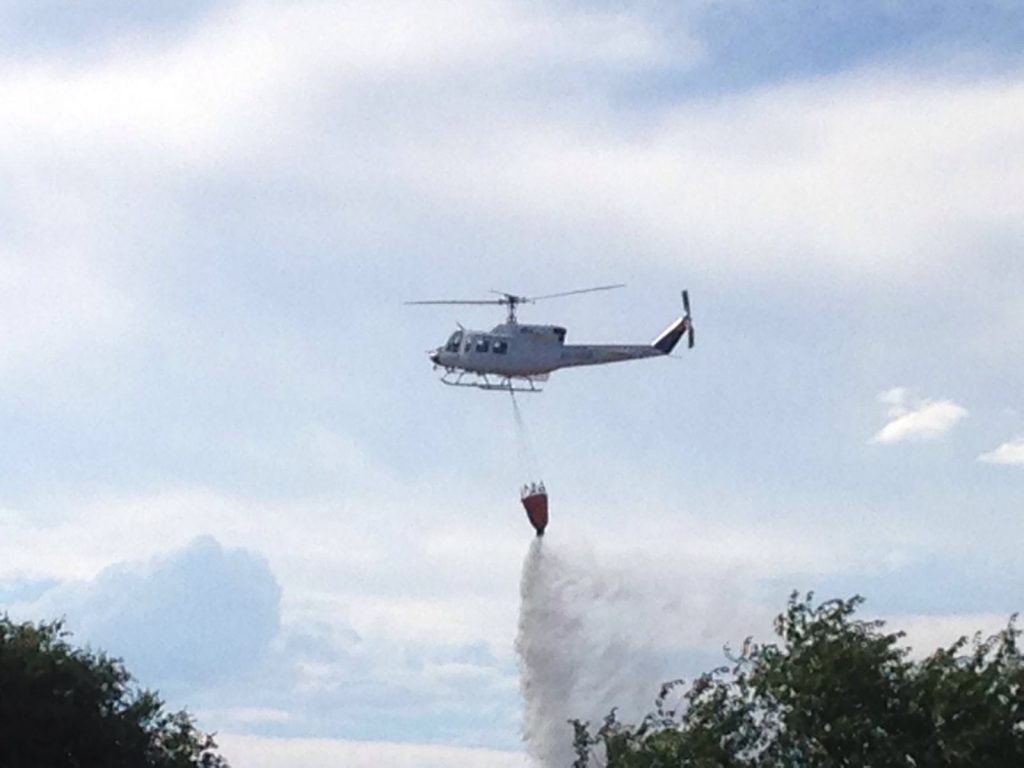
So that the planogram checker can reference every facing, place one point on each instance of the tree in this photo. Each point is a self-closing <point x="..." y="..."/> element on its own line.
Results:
<point x="834" y="691"/>
<point x="72" y="708"/>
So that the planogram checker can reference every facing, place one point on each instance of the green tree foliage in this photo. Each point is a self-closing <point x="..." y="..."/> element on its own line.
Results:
<point x="833" y="691"/>
<point x="71" y="708"/>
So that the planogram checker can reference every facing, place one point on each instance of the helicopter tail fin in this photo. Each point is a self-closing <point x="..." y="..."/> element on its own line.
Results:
<point x="668" y="338"/>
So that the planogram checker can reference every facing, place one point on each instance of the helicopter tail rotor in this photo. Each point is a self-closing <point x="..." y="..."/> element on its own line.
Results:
<point x="688" y="320"/>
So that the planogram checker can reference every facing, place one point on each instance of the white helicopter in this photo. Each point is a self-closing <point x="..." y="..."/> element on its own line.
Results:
<point x="514" y="358"/>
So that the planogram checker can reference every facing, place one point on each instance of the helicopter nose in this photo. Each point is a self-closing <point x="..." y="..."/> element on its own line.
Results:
<point x="435" y="358"/>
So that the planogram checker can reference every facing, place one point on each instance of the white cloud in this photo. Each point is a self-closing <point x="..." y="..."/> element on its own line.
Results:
<point x="516" y="120"/>
<point x="205" y="624"/>
<point x="260" y="752"/>
<point x="926" y="633"/>
<point x="791" y="163"/>
<point x="895" y="397"/>
<point x="411" y="616"/>
<point x="104" y="152"/>
<point x="195" y="616"/>
<point x="911" y="419"/>
<point x="245" y="716"/>
<point x="1007" y="453"/>
<point x="441" y="105"/>
<point x="75" y="539"/>
<point x="457" y="564"/>
<point x="231" y="86"/>
<point x="61" y="306"/>
<point x="500" y="117"/>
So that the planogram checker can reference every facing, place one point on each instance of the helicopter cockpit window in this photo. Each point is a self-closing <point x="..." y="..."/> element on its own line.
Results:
<point x="482" y="344"/>
<point x="468" y="346"/>
<point x="453" y="342"/>
<point x="500" y="347"/>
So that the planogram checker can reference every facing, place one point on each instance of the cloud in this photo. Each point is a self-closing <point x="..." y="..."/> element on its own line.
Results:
<point x="511" y="116"/>
<point x="24" y="590"/>
<point x="790" y="162"/>
<point x="217" y="217"/>
<point x="428" y="644"/>
<point x="1011" y="452"/>
<point x="246" y="716"/>
<point x="199" y="95"/>
<point x="928" y="632"/>
<point x="28" y="25"/>
<point x="911" y="419"/>
<point x="106" y="152"/>
<point x="335" y="634"/>
<point x="367" y="649"/>
<point x="195" y="617"/>
<point x="367" y="138"/>
<point x="259" y="752"/>
<point x="59" y="304"/>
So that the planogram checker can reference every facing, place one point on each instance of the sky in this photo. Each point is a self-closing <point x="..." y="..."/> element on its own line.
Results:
<point x="227" y="459"/>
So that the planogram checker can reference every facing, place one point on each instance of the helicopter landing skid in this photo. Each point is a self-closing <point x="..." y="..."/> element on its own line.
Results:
<point x="497" y="383"/>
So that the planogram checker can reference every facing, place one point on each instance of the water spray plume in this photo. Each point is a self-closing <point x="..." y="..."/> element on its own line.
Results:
<point x="581" y="650"/>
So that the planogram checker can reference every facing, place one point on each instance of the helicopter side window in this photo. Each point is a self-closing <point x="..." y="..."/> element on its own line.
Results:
<point x="499" y="347"/>
<point x="482" y="345"/>
<point x="453" y="342"/>
<point x="468" y="345"/>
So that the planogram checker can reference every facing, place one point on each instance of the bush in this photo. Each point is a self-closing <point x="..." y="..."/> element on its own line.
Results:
<point x="72" y="708"/>
<point x="833" y="691"/>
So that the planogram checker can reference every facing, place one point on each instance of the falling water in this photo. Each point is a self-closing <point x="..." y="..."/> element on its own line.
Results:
<point x="582" y="650"/>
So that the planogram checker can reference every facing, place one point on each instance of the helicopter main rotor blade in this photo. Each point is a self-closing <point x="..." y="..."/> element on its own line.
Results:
<point x="458" y="301"/>
<point x="573" y="293"/>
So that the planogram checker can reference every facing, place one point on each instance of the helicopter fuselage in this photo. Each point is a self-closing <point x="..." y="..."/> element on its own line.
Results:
<point x="525" y="351"/>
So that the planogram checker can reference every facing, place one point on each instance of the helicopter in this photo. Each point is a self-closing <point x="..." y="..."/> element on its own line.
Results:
<point x="514" y="357"/>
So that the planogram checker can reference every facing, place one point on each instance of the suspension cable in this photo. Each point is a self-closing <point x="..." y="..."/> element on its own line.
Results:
<point x="524" y="447"/>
